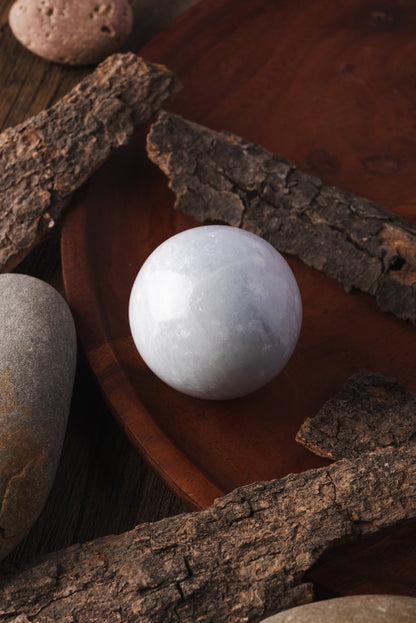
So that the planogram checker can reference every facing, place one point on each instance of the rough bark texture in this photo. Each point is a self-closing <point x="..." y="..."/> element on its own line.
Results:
<point x="239" y="560"/>
<point x="371" y="411"/>
<point x="219" y="176"/>
<point x="46" y="158"/>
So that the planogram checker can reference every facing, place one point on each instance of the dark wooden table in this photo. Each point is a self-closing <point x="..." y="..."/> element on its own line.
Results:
<point x="102" y="486"/>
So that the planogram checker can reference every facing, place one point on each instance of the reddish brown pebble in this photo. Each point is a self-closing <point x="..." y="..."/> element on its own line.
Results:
<point x="74" y="32"/>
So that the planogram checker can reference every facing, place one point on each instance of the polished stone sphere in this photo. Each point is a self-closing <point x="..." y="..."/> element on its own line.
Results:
<point x="215" y="312"/>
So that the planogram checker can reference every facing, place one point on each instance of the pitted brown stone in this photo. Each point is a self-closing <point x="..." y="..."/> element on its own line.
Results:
<point x="74" y="32"/>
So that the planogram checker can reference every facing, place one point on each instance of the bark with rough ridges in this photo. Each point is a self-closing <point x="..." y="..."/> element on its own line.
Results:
<point x="218" y="176"/>
<point x="47" y="157"/>
<point x="239" y="560"/>
<point x="370" y="411"/>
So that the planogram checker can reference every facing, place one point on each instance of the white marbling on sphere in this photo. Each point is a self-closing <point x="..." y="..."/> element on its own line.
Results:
<point x="215" y="312"/>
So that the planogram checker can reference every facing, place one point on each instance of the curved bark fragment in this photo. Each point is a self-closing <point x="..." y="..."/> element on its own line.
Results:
<point x="241" y="559"/>
<point x="47" y="157"/>
<point x="370" y="411"/>
<point x="220" y="176"/>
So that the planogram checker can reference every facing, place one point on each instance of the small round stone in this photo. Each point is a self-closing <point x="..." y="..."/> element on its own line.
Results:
<point x="353" y="609"/>
<point x="37" y="366"/>
<point x="215" y="312"/>
<point x="74" y="32"/>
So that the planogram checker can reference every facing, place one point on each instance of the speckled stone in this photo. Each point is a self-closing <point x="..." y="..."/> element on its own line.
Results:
<point x="75" y="32"/>
<point x="37" y="366"/>
<point x="353" y="609"/>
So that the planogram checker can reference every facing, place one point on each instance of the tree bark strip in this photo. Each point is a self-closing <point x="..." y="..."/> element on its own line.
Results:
<point x="370" y="411"/>
<point x="46" y="158"/>
<point x="239" y="560"/>
<point x="221" y="177"/>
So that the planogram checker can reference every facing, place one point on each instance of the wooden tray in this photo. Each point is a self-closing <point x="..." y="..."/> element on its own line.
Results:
<point x="332" y="87"/>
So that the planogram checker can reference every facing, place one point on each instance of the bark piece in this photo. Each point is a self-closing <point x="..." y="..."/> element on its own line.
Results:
<point x="47" y="157"/>
<point x="241" y="559"/>
<point x="220" y="176"/>
<point x="371" y="411"/>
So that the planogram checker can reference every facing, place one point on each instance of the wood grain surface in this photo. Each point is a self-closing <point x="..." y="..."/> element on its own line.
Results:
<point x="299" y="83"/>
<point x="102" y="486"/>
<point x="340" y="107"/>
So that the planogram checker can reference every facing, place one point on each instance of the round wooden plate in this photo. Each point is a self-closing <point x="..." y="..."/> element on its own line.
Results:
<point x="331" y="86"/>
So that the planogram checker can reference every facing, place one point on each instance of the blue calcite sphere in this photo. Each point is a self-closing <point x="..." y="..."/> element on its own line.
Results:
<point x="215" y="312"/>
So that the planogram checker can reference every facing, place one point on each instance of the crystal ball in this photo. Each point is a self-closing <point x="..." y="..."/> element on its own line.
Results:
<point x="215" y="312"/>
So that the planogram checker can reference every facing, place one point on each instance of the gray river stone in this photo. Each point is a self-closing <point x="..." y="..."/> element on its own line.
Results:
<point x="37" y="366"/>
<point x="352" y="609"/>
<point x="74" y="32"/>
